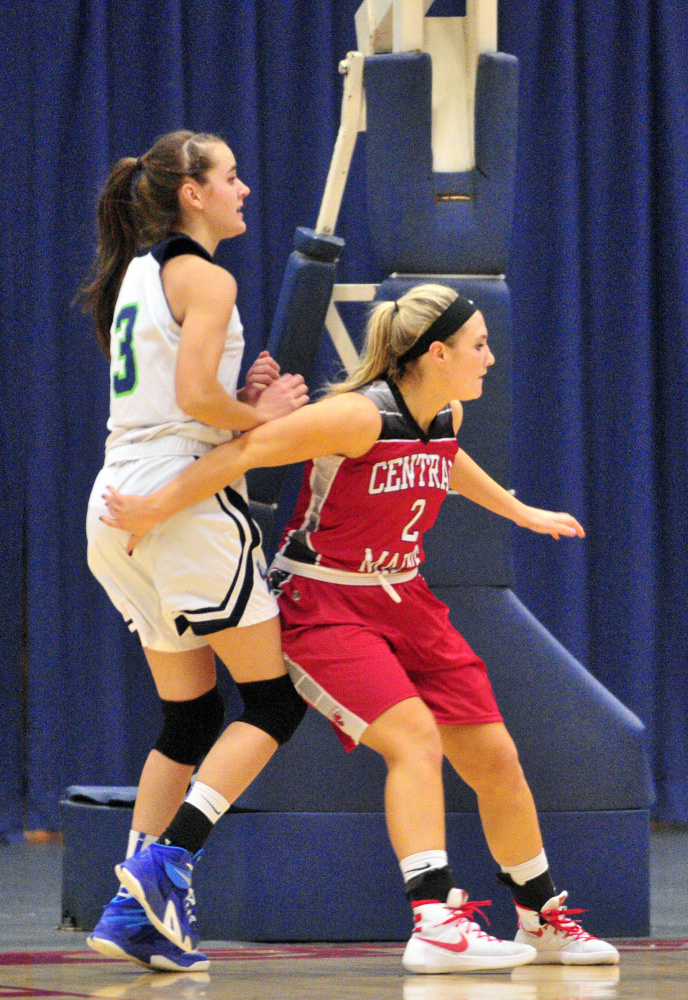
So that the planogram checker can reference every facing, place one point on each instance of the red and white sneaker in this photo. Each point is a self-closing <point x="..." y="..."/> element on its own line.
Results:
<point x="445" y="939"/>
<point x="561" y="940"/>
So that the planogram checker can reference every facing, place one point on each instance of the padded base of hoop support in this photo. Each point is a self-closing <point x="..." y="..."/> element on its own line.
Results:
<point x="333" y="876"/>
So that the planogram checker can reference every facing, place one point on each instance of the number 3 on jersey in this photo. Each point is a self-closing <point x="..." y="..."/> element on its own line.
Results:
<point x="412" y="536"/>
<point x="125" y="379"/>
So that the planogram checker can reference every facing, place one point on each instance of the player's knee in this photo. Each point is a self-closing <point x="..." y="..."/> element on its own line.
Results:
<point x="191" y="727"/>
<point x="500" y="766"/>
<point x="427" y="745"/>
<point x="273" y="706"/>
<point x="411" y="737"/>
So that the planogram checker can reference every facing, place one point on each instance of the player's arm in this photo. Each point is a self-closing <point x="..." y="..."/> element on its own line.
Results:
<point x="348" y="425"/>
<point x="468" y="479"/>
<point x="202" y="297"/>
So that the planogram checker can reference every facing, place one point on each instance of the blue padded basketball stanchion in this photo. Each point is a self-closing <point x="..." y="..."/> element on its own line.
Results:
<point x="297" y="326"/>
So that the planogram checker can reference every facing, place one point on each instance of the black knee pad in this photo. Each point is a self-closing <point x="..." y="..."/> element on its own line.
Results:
<point x="273" y="706"/>
<point x="190" y="727"/>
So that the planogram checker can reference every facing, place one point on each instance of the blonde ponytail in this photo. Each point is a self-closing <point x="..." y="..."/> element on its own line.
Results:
<point x="394" y="327"/>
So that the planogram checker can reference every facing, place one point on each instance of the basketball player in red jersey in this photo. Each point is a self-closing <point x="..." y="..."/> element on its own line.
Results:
<point x="367" y="643"/>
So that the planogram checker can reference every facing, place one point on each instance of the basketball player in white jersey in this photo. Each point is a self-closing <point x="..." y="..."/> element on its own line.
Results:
<point x="167" y="321"/>
<point x="366" y="641"/>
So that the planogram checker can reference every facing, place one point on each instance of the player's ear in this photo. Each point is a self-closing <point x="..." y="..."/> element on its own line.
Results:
<point x="437" y="351"/>
<point x="190" y="196"/>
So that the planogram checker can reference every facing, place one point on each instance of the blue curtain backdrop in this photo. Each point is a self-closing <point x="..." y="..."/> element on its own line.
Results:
<point x="599" y="279"/>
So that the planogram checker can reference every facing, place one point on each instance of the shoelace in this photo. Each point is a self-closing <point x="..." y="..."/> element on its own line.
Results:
<point x="467" y="912"/>
<point x="183" y="873"/>
<point x="189" y="905"/>
<point x="560" y="920"/>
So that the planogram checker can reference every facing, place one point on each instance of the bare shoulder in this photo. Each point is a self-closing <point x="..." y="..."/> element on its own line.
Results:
<point x="197" y="276"/>
<point x="457" y="414"/>
<point x="192" y="282"/>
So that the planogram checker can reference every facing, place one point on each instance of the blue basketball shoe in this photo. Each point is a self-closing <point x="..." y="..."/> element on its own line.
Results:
<point x="124" y="931"/>
<point x="160" y="878"/>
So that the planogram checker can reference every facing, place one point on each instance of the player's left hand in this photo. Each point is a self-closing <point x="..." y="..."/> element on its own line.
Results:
<point x="548" y="522"/>
<point x="262" y="373"/>
<point x="129" y="512"/>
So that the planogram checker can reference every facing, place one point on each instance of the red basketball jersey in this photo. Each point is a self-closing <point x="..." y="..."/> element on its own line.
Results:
<point x="369" y="514"/>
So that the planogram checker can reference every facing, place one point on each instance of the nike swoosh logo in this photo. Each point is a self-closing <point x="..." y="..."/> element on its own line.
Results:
<point x="208" y="803"/>
<point x="456" y="947"/>
<point x="423" y="868"/>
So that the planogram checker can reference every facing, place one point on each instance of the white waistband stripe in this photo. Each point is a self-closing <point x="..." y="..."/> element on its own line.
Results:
<point x="329" y="575"/>
<point x="166" y="444"/>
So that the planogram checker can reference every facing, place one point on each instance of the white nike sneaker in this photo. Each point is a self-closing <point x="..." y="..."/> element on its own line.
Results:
<point x="561" y="940"/>
<point x="445" y="939"/>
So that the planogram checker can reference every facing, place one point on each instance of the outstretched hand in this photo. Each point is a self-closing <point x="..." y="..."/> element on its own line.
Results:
<point x="548" y="522"/>
<point x="128" y="512"/>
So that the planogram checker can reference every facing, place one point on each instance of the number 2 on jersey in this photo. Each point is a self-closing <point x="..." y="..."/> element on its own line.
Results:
<point x="125" y="380"/>
<point x="412" y="536"/>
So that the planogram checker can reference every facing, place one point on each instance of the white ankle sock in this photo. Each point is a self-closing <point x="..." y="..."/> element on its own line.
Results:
<point x="139" y="841"/>
<point x="528" y="869"/>
<point x="207" y="800"/>
<point x="424" y="861"/>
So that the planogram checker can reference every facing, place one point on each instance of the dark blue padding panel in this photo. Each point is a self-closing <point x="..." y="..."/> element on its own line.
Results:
<point x="468" y="547"/>
<point x="580" y="747"/>
<point x="333" y="877"/>
<point x="414" y="231"/>
<point x="297" y="326"/>
<point x="472" y="545"/>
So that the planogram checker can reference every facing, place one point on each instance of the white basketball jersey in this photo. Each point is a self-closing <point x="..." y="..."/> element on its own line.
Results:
<point x="144" y="339"/>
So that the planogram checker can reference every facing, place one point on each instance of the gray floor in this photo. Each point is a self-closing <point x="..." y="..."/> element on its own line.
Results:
<point x="30" y="878"/>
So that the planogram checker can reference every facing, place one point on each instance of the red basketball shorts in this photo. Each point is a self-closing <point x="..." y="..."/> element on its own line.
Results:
<point x="353" y="652"/>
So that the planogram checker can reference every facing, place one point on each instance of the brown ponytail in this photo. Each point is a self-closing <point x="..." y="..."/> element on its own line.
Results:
<point x="138" y="207"/>
<point x="394" y="327"/>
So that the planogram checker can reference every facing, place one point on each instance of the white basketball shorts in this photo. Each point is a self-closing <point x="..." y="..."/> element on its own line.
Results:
<point x="199" y="572"/>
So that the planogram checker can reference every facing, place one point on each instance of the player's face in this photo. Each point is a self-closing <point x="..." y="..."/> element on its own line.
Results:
<point x="224" y="194"/>
<point x="470" y="358"/>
